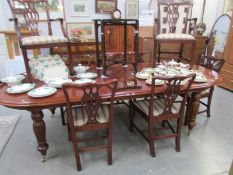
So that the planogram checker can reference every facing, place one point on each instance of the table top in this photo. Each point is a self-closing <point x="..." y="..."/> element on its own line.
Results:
<point x="23" y="101"/>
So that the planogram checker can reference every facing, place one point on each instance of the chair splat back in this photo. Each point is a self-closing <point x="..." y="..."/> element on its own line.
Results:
<point x="173" y="17"/>
<point x="91" y="101"/>
<point x="91" y="98"/>
<point x="28" y="11"/>
<point x="211" y="62"/>
<point x="173" y="89"/>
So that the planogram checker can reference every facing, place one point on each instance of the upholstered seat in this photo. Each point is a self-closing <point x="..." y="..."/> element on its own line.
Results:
<point x="175" y="36"/>
<point x="32" y="40"/>
<point x="158" y="106"/>
<point x="81" y="118"/>
<point x="206" y="91"/>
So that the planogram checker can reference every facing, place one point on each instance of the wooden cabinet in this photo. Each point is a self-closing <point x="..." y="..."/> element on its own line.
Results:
<point x="114" y="38"/>
<point x="227" y="69"/>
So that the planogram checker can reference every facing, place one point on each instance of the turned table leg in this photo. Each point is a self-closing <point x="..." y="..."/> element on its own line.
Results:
<point x="40" y="133"/>
<point x="193" y="110"/>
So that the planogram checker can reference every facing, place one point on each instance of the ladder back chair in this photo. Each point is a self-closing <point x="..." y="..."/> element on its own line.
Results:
<point x="25" y="12"/>
<point x="215" y="65"/>
<point x="174" y="26"/>
<point x="92" y="114"/>
<point x="162" y="109"/>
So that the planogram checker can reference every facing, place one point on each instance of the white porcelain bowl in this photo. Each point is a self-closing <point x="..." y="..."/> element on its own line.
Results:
<point x="81" y="69"/>
<point x="13" y="80"/>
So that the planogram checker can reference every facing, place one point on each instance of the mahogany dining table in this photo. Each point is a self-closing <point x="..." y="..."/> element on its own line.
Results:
<point x="36" y="105"/>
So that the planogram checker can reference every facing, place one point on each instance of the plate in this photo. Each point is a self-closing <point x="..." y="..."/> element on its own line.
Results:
<point x="57" y="83"/>
<point x="86" y="75"/>
<point x="83" y="81"/>
<point x="200" y="79"/>
<point x="17" y="89"/>
<point x="43" y="91"/>
<point x="148" y="70"/>
<point x="157" y="82"/>
<point x="142" y="75"/>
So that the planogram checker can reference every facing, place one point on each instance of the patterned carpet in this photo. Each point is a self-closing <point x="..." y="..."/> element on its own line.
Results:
<point x="7" y="126"/>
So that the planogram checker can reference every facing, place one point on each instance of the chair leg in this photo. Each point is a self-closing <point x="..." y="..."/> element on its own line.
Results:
<point x="109" y="146"/>
<point x="178" y="132"/>
<point x="75" y="147"/>
<point x="62" y="116"/>
<point x="151" y="140"/>
<point x="186" y="119"/>
<point x="131" y="117"/>
<point x="68" y="131"/>
<point x="163" y="123"/>
<point x="52" y="110"/>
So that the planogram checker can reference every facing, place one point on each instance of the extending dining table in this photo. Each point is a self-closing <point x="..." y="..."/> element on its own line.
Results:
<point x="36" y="105"/>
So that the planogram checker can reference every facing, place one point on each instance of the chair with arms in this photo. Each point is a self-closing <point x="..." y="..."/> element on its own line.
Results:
<point x="91" y="115"/>
<point x="215" y="65"/>
<point x="174" y="26"/>
<point x="28" y="13"/>
<point x="162" y="109"/>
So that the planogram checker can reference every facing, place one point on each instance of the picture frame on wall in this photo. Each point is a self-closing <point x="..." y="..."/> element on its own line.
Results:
<point x="87" y="29"/>
<point x="56" y="9"/>
<point x="131" y="9"/>
<point x="105" y="6"/>
<point x="79" y="7"/>
<point x="228" y="7"/>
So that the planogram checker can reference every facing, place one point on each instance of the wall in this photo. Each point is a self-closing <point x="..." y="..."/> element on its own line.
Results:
<point x="212" y="11"/>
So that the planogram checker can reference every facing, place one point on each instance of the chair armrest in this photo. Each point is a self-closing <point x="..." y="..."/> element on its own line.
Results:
<point x="61" y="20"/>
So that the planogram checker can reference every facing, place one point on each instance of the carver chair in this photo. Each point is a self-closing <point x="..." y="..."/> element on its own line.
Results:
<point x="215" y="65"/>
<point x="26" y="11"/>
<point x="162" y="108"/>
<point x="92" y="114"/>
<point x="174" y="27"/>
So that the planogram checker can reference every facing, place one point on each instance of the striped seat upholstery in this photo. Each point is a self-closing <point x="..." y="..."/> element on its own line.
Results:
<point x="175" y="36"/>
<point x="206" y="91"/>
<point x="31" y="40"/>
<point x="81" y="118"/>
<point x="158" y="106"/>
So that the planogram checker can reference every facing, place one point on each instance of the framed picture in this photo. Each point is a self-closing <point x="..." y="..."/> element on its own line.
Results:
<point x="131" y="9"/>
<point x="79" y="7"/>
<point x="86" y="29"/>
<point x="105" y="6"/>
<point x="56" y="9"/>
<point x="228" y="7"/>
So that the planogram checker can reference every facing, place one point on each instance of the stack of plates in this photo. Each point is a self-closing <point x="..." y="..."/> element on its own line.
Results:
<point x="83" y="81"/>
<point x="86" y="75"/>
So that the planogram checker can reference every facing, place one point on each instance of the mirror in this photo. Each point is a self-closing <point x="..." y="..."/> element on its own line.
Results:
<point x="218" y="37"/>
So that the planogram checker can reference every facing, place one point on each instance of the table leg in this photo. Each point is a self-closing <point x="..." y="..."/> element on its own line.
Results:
<point x="193" y="110"/>
<point x="40" y="133"/>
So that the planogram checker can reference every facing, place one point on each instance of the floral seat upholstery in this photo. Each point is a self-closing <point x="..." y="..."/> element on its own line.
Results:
<point x="32" y="40"/>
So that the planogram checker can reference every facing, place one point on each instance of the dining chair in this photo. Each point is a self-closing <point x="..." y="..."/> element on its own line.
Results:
<point x="174" y="26"/>
<point x="162" y="108"/>
<point x="215" y="65"/>
<point x="93" y="113"/>
<point x="25" y="15"/>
